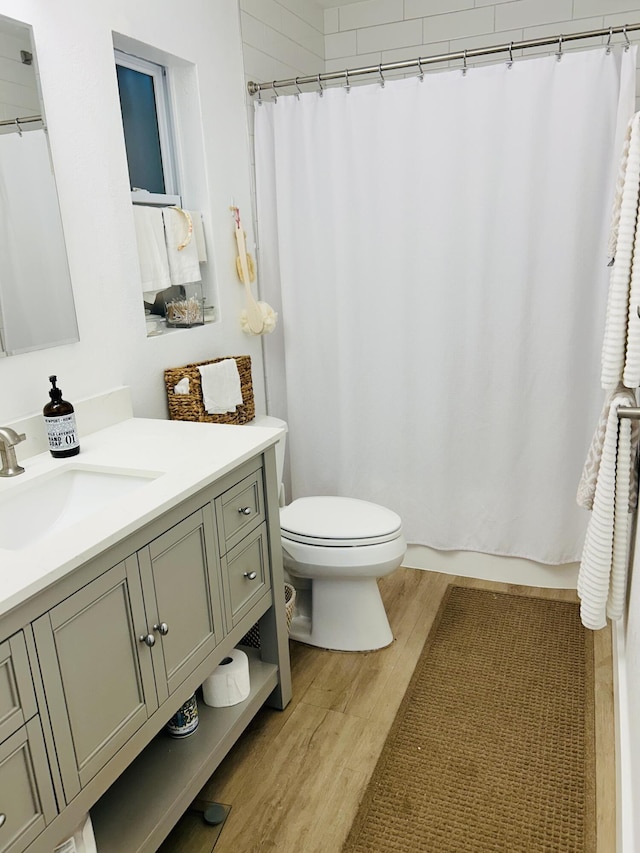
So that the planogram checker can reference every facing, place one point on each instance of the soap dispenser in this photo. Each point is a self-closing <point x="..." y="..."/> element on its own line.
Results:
<point x="60" y="424"/>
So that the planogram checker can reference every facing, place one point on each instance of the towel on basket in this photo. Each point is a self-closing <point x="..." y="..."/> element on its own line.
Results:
<point x="221" y="389"/>
<point x="602" y="576"/>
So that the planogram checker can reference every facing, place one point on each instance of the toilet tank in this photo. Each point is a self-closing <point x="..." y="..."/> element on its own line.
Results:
<point x="281" y="444"/>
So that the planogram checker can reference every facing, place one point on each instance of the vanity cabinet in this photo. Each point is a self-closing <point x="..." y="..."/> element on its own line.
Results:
<point x="122" y="646"/>
<point x="27" y="801"/>
<point x="119" y="647"/>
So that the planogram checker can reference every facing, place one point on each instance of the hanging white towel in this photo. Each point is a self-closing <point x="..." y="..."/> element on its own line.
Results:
<point x="221" y="390"/>
<point x="621" y="345"/>
<point x="603" y="568"/>
<point x="181" y="248"/>
<point x="587" y="486"/>
<point x="152" y="250"/>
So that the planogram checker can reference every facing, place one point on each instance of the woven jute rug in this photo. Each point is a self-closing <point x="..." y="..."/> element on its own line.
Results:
<point x="492" y="748"/>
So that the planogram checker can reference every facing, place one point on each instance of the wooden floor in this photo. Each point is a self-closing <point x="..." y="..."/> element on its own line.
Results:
<point x="295" y="778"/>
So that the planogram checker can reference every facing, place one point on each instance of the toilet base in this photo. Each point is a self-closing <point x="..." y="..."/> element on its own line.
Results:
<point x="342" y="615"/>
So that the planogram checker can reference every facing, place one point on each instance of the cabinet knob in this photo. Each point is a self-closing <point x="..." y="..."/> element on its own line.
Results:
<point x="244" y="510"/>
<point x="250" y="576"/>
<point x="162" y="628"/>
<point x="3" y="817"/>
<point x="149" y="639"/>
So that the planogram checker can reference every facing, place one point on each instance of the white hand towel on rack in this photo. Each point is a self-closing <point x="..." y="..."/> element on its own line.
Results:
<point x="603" y="568"/>
<point x="181" y="248"/>
<point x="152" y="250"/>
<point x="221" y="389"/>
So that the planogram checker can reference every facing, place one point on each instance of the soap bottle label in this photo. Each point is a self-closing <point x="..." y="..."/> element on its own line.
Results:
<point x="61" y="432"/>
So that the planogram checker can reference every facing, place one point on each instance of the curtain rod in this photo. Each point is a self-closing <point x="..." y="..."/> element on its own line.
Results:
<point x="257" y="88"/>
<point x="16" y="123"/>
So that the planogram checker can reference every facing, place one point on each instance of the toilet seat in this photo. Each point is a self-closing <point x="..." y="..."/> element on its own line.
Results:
<point x="337" y="522"/>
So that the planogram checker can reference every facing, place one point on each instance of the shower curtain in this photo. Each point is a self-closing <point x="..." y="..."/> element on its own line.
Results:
<point x="436" y="250"/>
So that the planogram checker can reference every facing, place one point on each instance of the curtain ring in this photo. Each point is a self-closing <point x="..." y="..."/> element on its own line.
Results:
<point x="18" y="128"/>
<point x="347" y="85"/>
<point x="259" y="95"/>
<point x="559" y="53"/>
<point x="320" y="89"/>
<point x="626" y="38"/>
<point x="609" y="40"/>
<point x="420" y="70"/>
<point x="299" y="92"/>
<point x="510" y="60"/>
<point x="381" y="76"/>
<point x="275" y="92"/>
<point x="464" y="63"/>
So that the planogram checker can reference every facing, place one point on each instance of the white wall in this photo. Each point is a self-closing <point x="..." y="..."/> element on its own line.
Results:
<point x="74" y="45"/>
<point x="374" y="31"/>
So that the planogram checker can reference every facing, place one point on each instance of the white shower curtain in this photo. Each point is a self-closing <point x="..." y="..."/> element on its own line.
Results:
<point x="437" y="253"/>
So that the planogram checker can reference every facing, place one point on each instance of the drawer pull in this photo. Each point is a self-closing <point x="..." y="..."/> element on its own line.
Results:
<point x="250" y="576"/>
<point x="149" y="639"/>
<point x="162" y="628"/>
<point x="3" y="817"/>
<point x="244" y="510"/>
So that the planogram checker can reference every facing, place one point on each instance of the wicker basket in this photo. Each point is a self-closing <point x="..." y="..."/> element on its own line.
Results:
<point x="252" y="637"/>
<point x="190" y="407"/>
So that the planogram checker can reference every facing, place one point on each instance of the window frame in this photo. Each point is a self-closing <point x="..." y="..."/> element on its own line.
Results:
<point x="159" y="74"/>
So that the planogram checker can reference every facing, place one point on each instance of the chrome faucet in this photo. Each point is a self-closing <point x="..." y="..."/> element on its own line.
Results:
<point x="8" y="440"/>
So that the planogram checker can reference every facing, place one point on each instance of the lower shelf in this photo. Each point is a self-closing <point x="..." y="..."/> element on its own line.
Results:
<point x="143" y="805"/>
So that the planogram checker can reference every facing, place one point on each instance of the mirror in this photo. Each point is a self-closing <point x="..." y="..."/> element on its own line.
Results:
<point x="36" y="298"/>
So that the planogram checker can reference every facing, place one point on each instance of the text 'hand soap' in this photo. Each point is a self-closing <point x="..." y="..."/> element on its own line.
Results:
<point x="60" y="424"/>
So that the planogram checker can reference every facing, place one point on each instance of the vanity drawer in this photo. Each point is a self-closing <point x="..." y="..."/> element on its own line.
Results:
<point x="239" y="510"/>
<point x="245" y="575"/>
<point x="17" y="699"/>
<point x="27" y="803"/>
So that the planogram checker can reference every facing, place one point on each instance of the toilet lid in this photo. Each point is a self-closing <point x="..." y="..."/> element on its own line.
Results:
<point x="333" y="521"/>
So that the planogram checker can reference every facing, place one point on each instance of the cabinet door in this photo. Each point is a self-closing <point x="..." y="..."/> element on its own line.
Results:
<point x="179" y="573"/>
<point x="27" y="804"/>
<point x="245" y="575"/>
<point x="97" y="672"/>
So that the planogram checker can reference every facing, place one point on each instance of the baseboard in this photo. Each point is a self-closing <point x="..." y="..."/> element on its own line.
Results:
<point x="625" y="810"/>
<point x="471" y="564"/>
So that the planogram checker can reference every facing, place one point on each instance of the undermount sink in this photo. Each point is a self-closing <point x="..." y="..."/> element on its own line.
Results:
<point x="51" y="502"/>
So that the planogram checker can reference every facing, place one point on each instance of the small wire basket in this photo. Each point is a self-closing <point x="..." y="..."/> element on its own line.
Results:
<point x="252" y="637"/>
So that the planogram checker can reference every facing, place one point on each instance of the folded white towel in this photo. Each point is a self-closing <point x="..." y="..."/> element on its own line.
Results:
<point x="152" y="250"/>
<point x="181" y="249"/>
<point x="603" y="568"/>
<point x="221" y="390"/>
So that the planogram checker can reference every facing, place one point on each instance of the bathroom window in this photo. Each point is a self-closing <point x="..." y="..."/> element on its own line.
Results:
<point x="148" y="132"/>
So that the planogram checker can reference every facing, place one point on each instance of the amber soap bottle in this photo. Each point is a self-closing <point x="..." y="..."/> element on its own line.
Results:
<point x="60" y="424"/>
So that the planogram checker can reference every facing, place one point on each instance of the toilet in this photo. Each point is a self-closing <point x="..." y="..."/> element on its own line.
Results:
<point x="334" y="550"/>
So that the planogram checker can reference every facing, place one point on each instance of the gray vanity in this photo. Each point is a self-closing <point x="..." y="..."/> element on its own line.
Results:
<point x="110" y="622"/>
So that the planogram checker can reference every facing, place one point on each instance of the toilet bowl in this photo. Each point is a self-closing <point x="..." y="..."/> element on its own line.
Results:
<point x="334" y="550"/>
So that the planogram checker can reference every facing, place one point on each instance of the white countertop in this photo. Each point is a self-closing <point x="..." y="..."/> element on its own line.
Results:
<point x="181" y="456"/>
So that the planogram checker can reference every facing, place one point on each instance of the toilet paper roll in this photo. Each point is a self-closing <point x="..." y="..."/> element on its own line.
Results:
<point x="229" y="682"/>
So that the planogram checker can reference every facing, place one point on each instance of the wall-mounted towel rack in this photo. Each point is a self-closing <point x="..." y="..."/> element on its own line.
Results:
<point x="630" y="412"/>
